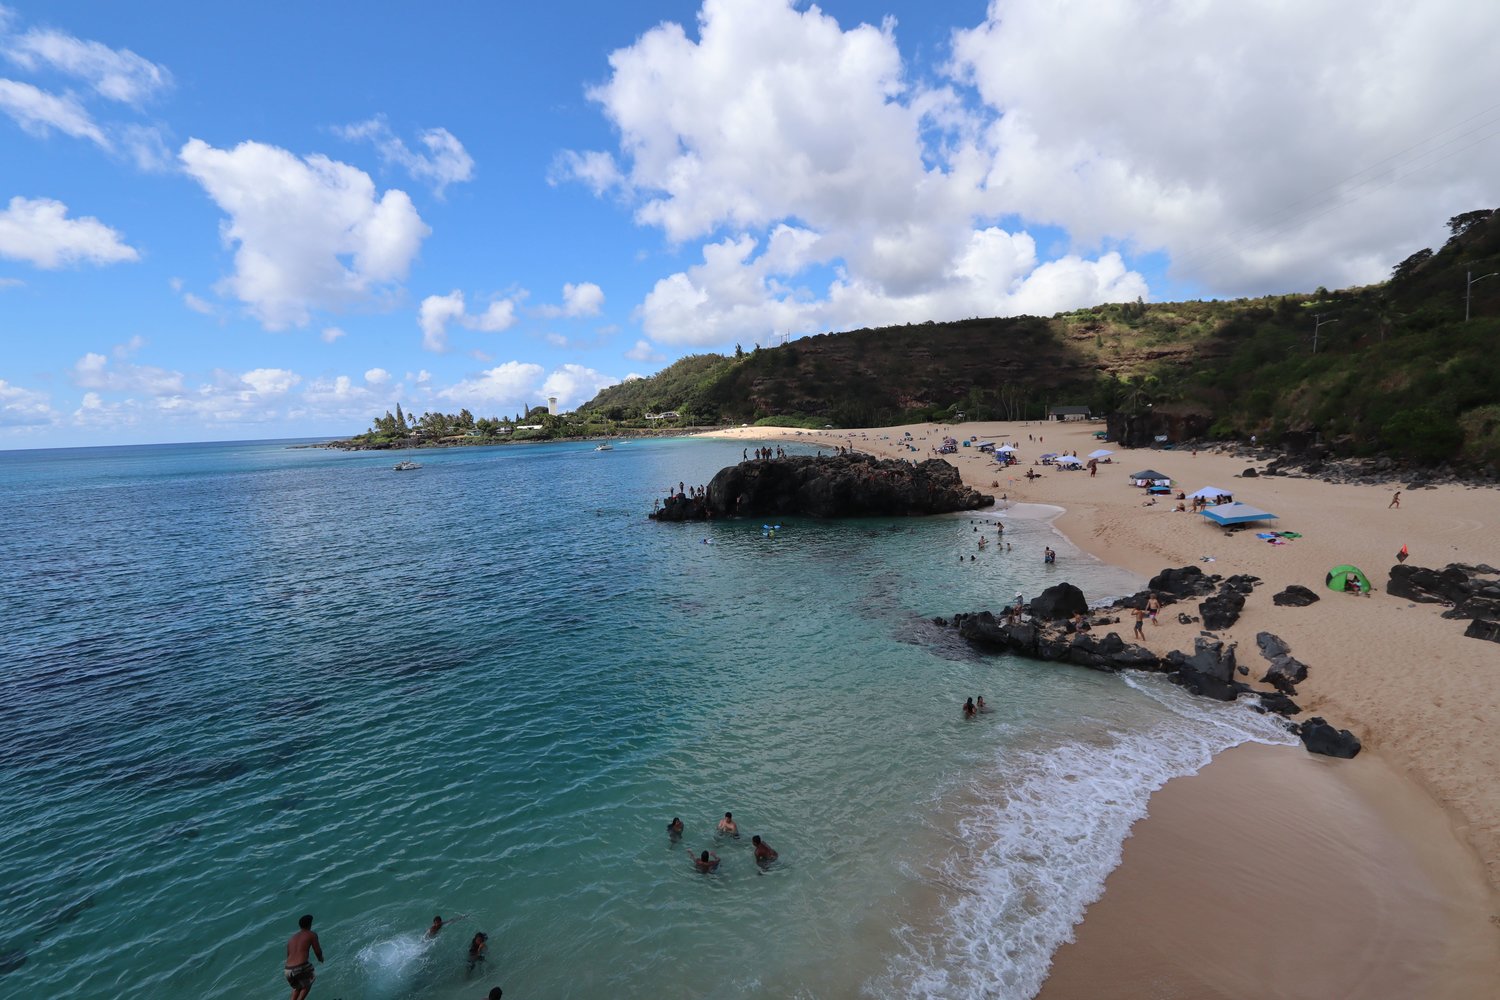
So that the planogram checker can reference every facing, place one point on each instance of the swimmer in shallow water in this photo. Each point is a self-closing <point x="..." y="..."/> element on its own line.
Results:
<point x="476" y="949"/>
<point x="674" y="828"/>
<point x="729" y="826"/>
<point x="764" y="852"/>
<point x="707" y="862"/>
<point x="438" y="924"/>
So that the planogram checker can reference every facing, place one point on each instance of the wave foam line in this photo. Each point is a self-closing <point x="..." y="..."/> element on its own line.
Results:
<point x="1033" y="858"/>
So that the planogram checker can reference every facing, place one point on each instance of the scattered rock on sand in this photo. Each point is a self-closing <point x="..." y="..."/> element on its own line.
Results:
<point x="1209" y="671"/>
<point x="1319" y="737"/>
<point x="1295" y="596"/>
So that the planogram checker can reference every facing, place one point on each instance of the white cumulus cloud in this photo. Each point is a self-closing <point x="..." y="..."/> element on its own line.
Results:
<point x="1159" y="124"/>
<point x="505" y="386"/>
<point x="583" y="299"/>
<point x="643" y="351"/>
<point x="377" y="376"/>
<point x="445" y="162"/>
<point x="832" y="182"/>
<point x="39" y="231"/>
<point x="309" y="232"/>
<point x="271" y="381"/>
<point x="438" y="311"/>
<point x="95" y="371"/>
<point x="20" y="407"/>
<point x="574" y="384"/>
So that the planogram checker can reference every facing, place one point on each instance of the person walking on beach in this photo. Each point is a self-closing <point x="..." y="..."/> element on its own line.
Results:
<point x="729" y="826"/>
<point x="1140" y="619"/>
<point x="299" y="970"/>
<point x="1153" y="605"/>
<point x="764" y="852"/>
<point x="1395" y="501"/>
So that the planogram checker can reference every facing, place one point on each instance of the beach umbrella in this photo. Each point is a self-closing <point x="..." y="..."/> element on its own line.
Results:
<point x="1209" y="492"/>
<point x="1050" y="454"/>
<point x="1236" y="513"/>
<point x="1100" y="453"/>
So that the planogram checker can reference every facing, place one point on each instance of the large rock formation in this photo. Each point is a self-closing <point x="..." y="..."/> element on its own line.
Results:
<point x="833" y="486"/>
<point x="1209" y="671"/>
<point x="1060" y="601"/>
<point x="1473" y="592"/>
<point x="1286" y="671"/>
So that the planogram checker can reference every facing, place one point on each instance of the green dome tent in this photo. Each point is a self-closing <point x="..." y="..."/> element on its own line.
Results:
<point x="1348" y="578"/>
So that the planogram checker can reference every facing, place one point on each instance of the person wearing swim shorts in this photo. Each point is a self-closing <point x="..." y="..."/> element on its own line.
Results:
<point x="299" y="970"/>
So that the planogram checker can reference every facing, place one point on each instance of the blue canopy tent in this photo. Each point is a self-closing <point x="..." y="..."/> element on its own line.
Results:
<point x="1236" y="513"/>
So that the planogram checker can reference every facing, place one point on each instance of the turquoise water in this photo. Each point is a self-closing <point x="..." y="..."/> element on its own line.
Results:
<point x="244" y="682"/>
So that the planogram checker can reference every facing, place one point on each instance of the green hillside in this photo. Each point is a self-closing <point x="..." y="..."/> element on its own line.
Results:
<point x="1396" y="368"/>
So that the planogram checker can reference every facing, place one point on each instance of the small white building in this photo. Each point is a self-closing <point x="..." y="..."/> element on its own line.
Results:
<point x="1068" y="413"/>
<point x="552" y="405"/>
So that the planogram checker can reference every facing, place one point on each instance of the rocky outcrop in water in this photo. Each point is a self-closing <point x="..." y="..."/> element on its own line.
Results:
<point x="851" y="485"/>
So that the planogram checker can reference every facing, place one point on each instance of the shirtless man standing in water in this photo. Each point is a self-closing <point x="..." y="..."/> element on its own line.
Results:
<point x="299" y="970"/>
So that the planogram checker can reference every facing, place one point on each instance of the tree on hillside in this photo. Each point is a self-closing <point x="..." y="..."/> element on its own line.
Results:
<point x="1460" y="224"/>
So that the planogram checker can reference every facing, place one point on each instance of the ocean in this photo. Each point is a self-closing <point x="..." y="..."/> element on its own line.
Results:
<point x="245" y="681"/>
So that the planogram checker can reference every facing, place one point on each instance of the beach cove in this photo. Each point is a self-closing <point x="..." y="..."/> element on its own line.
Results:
<point x="1420" y="695"/>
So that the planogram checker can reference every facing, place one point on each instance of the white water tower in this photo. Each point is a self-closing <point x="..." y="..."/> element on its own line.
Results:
<point x="552" y="405"/>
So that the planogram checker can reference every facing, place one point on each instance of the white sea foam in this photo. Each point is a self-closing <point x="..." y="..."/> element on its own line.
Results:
<point x="1035" y="854"/>
<point x="389" y="966"/>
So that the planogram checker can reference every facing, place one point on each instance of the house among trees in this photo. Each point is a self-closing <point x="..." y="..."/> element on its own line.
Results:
<point x="663" y="415"/>
<point x="1068" y="413"/>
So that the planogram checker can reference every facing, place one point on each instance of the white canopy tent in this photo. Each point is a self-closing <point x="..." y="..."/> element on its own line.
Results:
<point x="1100" y="453"/>
<point x="1209" y="492"/>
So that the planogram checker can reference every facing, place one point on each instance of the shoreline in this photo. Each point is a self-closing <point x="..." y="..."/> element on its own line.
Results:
<point x="1438" y="763"/>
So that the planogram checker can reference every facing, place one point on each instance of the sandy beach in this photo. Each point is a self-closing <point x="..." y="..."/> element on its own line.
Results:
<point x="1274" y="873"/>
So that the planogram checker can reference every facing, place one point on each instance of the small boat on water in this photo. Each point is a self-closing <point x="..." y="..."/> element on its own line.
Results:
<point x="405" y="465"/>
<point x="604" y="446"/>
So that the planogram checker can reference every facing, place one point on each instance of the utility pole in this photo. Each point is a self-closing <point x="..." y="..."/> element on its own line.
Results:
<point x="1319" y="323"/>
<point x="1470" y="282"/>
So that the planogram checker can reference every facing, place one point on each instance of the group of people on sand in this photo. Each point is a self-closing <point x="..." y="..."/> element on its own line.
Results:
<point x="975" y="706"/>
<point x="300" y="974"/>
<point x="707" y="862"/>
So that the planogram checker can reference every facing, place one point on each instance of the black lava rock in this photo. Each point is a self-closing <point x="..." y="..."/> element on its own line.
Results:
<point x="1295" y="596"/>
<point x="1319" y="737"/>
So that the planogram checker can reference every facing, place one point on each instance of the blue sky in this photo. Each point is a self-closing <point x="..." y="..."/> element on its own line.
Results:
<point x="235" y="221"/>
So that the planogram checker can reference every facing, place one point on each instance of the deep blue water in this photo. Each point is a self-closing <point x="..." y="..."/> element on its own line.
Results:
<point x="242" y="682"/>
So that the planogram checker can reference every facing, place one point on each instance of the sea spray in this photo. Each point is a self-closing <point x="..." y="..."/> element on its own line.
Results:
<point x="1046" y="828"/>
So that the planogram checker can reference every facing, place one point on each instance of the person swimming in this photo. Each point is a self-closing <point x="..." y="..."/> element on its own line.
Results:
<point x="729" y="826"/>
<point x="707" y="862"/>
<point x="969" y="710"/>
<point x="764" y="852"/>
<point x="674" y="828"/>
<point x="476" y="949"/>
